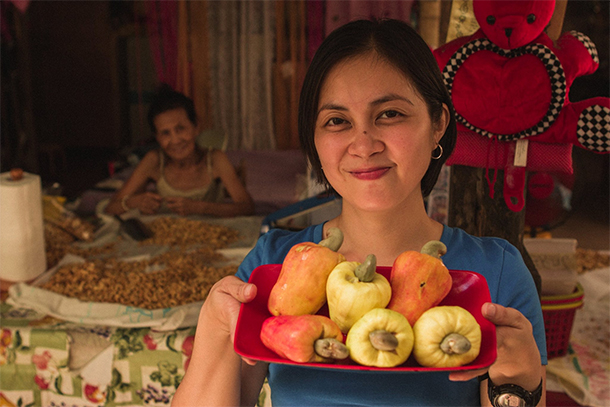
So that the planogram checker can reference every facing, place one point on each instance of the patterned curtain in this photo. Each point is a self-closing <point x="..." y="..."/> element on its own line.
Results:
<point x="241" y="52"/>
<point x="193" y="74"/>
<point x="220" y="53"/>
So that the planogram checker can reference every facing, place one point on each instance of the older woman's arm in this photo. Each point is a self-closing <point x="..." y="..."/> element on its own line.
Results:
<point x="133" y="195"/>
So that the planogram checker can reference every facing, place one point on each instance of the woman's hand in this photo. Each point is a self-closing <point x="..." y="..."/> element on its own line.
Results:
<point x="215" y="375"/>
<point x="181" y="206"/>
<point x="148" y="203"/>
<point x="221" y="308"/>
<point x="518" y="361"/>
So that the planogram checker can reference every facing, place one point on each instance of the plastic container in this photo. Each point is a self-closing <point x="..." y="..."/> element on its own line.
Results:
<point x="555" y="260"/>
<point x="559" y="312"/>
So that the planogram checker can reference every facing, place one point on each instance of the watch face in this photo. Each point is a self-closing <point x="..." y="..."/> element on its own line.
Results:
<point x="509" y="399"/>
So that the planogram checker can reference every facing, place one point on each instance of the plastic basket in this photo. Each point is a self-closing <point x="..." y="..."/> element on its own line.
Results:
<point x="559" y="312"/>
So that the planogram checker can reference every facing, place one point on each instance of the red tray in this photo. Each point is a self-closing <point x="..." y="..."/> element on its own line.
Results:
<point x="469" y="290"/>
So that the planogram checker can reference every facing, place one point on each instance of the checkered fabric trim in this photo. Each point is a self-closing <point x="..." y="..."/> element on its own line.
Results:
<point x="593" y="130"/>
<point x="589" y="45"/>
<point x="548" y="58"/>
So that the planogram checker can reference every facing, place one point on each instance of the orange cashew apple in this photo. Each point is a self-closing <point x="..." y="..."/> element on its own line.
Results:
<point x="419" y="280"/>
<point x="301" y="286"/>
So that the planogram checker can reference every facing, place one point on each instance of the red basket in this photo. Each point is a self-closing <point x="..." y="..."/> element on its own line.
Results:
<point x="558" y="313"/>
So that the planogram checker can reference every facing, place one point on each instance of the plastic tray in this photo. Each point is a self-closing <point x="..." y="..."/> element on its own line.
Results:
<point x="469" y="290"/>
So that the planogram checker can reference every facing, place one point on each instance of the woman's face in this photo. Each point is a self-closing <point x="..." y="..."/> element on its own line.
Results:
<point x="176" y="134"/>
<point x="373" y="134"/>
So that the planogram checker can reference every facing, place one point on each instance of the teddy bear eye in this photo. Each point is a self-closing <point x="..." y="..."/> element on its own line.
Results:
<point x="531" y="18"/>
<point x="491" y="20"/>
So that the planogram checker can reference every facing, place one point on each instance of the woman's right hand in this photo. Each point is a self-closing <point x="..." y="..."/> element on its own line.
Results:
<point x="224" y="300"/>
<point x="148" y="203"/>
<point x="215" y="371"/>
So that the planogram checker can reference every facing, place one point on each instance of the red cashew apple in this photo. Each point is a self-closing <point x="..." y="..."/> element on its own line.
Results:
<point x="304" y="338"/>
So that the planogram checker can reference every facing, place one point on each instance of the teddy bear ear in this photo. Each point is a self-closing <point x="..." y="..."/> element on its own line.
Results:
<point x="512" y="24"/>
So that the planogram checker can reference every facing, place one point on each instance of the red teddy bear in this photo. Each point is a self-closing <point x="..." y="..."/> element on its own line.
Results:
<point x="510" y="82"/>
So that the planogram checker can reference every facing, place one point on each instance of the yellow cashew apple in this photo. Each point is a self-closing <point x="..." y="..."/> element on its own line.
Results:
<point x="355" y="288"/>
<point x="381" y="338"/>
<point x="446" y="336"/>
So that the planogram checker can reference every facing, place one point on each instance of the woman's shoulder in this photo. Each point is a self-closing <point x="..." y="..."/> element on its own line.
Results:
<point x="458" y="239"/>
<point x="150" y="163"/>
<point x="485" y="255"/>
<point x="284" y="237"/>
<point x="216" y="154"/>
<point x="217" y="159"/>
<point x="152" y="158"/>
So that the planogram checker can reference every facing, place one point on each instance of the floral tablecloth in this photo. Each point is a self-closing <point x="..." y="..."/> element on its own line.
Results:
<point x="57" y="351"/>
<point x="47" y="362"/>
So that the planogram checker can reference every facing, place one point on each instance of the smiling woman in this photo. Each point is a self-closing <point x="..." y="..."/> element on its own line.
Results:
<point x="376" y="123"/>
<point x="189" y="180"/>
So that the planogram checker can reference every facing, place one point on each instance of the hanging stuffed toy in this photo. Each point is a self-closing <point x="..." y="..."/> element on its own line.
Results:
<point x="509" y="84"/>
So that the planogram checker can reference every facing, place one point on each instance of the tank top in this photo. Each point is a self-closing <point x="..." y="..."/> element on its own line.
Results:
<point x="213" y="192"/>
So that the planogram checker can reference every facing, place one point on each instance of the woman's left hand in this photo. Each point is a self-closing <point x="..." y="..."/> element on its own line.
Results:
<point x="181" y="206"/>
<point x="518" y="358"/>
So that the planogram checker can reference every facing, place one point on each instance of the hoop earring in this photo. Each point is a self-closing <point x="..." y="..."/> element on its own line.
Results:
<point x="440" y="153"/>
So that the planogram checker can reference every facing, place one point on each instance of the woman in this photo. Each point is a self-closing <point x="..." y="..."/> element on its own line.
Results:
<point x="189" y="179"/>
<point x="376" y="124"/>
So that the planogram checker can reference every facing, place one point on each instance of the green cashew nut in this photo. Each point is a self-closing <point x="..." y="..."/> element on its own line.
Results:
<point x="330" y="348"/>
<point x="455" y="344"/>
<point x="383" y="340"/>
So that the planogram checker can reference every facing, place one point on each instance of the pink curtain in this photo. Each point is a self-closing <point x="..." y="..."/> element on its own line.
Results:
<point x="161" y="19"/>
<point x="323" y="16"/>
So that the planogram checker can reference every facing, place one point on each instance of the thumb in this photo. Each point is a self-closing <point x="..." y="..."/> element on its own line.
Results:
<point x="244" y="292"/>
<point x="502" y="316"/>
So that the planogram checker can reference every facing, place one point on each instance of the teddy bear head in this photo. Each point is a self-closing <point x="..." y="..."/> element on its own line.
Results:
<point x="513" y="24"/>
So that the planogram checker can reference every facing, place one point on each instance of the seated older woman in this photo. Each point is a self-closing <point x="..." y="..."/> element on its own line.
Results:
<point x="190" y="180"/>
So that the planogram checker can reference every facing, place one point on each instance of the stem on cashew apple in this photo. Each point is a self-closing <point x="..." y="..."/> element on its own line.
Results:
<point x="334" y="239"/>
<point x="434" y="248"/>
<point x="365" y="272"/>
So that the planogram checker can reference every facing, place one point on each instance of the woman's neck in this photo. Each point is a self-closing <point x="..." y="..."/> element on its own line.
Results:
<point x="384" y="234"/>
<point x="191" y="160"/>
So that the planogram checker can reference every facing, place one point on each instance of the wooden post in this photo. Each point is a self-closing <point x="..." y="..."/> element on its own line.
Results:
<point x="429" y="25"/>
<point x="471" y="208"/>
<point x="556" y="23"/>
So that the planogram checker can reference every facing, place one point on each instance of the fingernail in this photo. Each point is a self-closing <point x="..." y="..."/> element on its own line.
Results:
<point x="491" y="309"/>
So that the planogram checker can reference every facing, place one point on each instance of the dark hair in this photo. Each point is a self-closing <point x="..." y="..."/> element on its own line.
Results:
<point x="400" y="45"/>
<point x="168" y="99"/>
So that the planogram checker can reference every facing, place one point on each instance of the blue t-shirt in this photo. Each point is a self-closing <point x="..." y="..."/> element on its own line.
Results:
<point x="510" y="284"/>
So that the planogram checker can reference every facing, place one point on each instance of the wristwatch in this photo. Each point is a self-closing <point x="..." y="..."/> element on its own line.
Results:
<point x="506" y="395"/>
